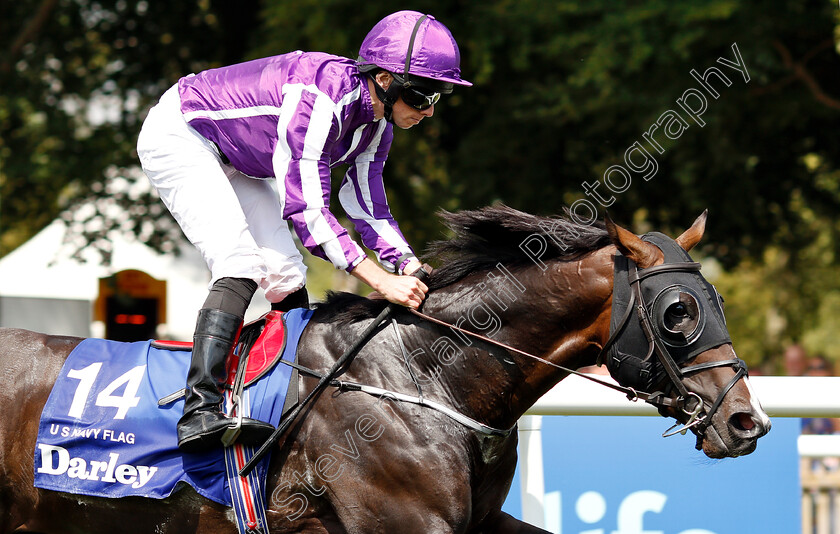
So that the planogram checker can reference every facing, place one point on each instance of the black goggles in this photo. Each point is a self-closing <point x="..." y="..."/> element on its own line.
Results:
<point x="418" y="97"/>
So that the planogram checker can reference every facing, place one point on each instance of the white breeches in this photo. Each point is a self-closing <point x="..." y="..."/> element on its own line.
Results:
<point x="235" y="221"/>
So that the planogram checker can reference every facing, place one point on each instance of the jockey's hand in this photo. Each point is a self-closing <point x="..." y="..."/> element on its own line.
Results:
<point x="404" y="290"/>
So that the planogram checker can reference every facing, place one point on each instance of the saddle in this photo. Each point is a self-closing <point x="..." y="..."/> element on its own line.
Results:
<point x="257" y="350"/>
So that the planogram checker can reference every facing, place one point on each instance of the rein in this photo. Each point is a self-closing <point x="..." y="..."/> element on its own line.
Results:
<point x="631" y="393"/>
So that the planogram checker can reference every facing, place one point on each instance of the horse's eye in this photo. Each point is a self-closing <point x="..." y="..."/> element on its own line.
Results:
<point x="678" y="313"/>
<point x="681" y="316"/>
<point x="677" y="310"/>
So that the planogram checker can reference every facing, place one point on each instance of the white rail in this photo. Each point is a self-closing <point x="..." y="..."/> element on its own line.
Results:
<point x="818" y="446"/>
<point x="780" y="396"/>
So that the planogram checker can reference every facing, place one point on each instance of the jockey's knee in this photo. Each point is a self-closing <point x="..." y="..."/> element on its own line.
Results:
<point x="231" y="295"/>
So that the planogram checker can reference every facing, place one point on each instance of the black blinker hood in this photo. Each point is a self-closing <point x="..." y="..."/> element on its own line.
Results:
<point x="631" y="360"/>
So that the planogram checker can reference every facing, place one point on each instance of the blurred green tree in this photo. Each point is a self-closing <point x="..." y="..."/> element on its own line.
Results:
<point x="76" y="77"/>
<point x="562" y="90"/>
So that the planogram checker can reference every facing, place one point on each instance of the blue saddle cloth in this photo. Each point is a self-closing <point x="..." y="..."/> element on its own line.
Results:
<point x="102" y="432"/>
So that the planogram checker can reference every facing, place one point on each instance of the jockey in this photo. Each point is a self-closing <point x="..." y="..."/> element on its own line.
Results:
<point x="214" y="140"/>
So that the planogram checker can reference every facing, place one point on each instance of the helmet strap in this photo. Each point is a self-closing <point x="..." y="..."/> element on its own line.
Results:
<point x="387" y="97"/>
<point x="411" y="45"/>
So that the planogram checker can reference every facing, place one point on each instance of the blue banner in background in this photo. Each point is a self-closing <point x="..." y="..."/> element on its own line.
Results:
<point x="617" y="475"/>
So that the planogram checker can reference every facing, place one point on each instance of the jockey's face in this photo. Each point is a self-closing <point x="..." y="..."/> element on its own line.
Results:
<point x="403" y="115"/>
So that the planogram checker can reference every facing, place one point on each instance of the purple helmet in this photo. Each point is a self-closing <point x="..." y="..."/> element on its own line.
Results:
<point x="409" y="44"/>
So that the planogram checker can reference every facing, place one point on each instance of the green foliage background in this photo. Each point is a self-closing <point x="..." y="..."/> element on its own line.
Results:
<point x="562" y="90"/>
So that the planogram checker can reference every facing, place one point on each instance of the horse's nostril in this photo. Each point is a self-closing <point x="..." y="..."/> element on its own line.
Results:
<point x="742" y="421"/>
<point x="746" y="421"/>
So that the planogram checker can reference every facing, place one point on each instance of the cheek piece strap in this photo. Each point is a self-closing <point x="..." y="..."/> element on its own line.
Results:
<point x="388" y="98"/>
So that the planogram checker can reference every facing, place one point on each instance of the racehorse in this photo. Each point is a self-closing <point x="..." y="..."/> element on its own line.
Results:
<point x="537" y="291"/>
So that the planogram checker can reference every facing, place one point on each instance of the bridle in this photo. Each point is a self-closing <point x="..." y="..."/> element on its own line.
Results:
<point x="690" y="403"/>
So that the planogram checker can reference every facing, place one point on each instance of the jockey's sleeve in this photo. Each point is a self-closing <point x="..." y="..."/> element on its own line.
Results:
<point x="308" y="126"/>
<point x="362" y="195"/>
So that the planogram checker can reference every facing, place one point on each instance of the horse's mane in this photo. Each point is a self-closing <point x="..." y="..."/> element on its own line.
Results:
<point x="488" y="236"/>
<point x="340" y="307"/>
<point x="480" y="240"/>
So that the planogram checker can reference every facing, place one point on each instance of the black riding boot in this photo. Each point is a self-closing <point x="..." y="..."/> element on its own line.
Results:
<point x="202" y="425"/>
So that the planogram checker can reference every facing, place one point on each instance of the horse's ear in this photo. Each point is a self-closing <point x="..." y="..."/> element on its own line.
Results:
<point x="632" y="246"/>
<point x="693" y="235"/>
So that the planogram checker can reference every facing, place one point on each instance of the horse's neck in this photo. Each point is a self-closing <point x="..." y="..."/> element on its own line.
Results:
<point x="560" y="314"/>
